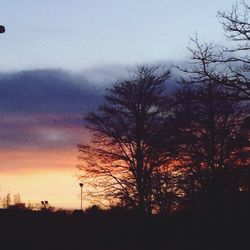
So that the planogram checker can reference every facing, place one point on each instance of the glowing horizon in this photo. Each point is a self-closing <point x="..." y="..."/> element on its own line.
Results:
<point x="42" y="175"/>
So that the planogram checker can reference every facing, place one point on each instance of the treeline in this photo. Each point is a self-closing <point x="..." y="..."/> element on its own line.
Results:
<point x="159" y="151"/>
<point x="14" y="202"/>
<point x="123" y="229"/>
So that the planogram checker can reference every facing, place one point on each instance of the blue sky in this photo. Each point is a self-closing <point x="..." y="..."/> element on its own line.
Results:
<point x="82" y="34"/>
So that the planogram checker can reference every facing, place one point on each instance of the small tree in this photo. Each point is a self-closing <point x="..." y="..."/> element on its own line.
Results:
<point x="16" y="199"/>
<point x="6" y="201"/>
<point x="128" y="143"/>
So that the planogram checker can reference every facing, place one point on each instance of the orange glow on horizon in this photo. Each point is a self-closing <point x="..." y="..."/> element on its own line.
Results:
<point x="41" y="175"/>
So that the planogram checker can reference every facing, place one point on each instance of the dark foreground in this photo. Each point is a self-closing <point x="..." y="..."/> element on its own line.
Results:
<point x="210" y="230"/>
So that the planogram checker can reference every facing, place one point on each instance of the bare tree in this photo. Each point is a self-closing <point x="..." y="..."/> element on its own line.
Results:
<point x="228" y="66"/>
<point x="6" y="201"/>
<point x="128" y="143"/>
<point x="16" y="199"/>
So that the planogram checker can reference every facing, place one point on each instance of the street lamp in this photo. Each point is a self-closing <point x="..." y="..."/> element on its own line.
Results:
<point x="81" y="185"/>
<point x="44" y="204"/>
<point x="2" y="29"/>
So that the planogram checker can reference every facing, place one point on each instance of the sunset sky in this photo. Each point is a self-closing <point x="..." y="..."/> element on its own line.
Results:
<point x="57" y="57"/>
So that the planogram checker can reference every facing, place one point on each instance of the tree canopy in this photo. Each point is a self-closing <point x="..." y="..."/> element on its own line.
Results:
<point x="128" y="146"/>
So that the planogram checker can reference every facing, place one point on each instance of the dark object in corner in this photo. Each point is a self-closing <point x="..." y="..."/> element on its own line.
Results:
<point x="2" y="29"/>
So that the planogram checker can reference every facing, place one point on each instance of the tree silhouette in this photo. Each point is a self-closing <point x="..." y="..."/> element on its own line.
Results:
<point x="228" y="66"/>
<point x="212" y="149"/>
<point x="128" y="146"/>
<point x="222" y="143"/>
<point x="6" y="201"/>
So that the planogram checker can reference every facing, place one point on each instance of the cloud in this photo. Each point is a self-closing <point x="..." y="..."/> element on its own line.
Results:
<point x="46" y="92"/>
<point x="41" y="132"/>
<point x="44" y="108"/>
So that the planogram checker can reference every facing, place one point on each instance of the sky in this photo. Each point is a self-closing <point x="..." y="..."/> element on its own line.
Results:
<point x="56" y="59"/>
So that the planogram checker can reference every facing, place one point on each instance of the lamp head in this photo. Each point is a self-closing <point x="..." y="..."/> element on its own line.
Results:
<point x="2" y="29"/>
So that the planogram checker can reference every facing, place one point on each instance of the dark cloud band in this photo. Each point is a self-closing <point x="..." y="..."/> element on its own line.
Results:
<point x="46" y="91"/>
<point x="44" y="108"/>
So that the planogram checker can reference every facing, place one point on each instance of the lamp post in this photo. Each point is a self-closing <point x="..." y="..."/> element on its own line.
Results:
<point x="81" y="185"/>
<point x="44" y="204"/>
<point x="2" y="29"/>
